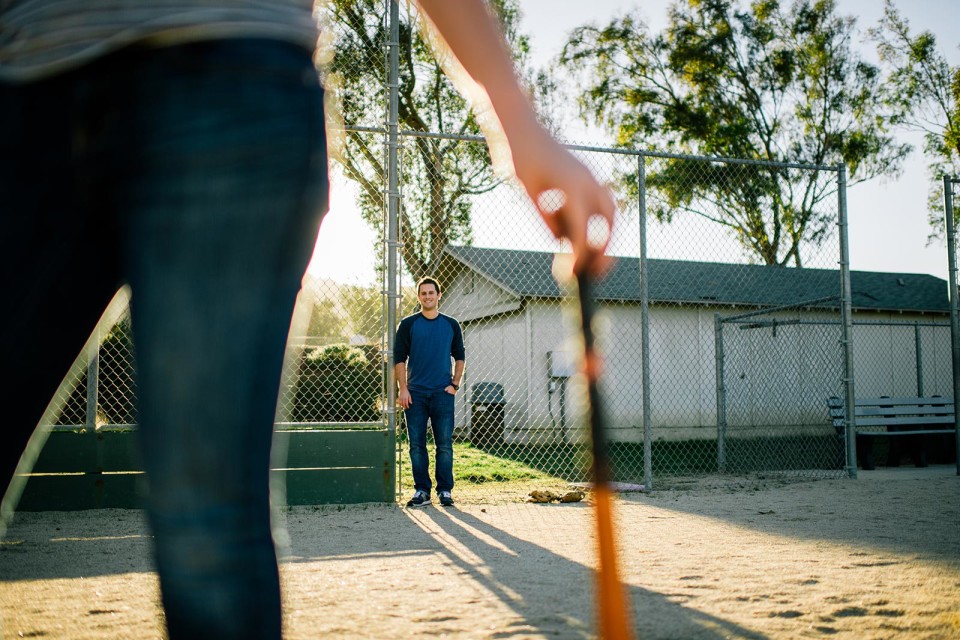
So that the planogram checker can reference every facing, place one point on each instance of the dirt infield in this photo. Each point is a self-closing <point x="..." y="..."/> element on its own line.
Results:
<point x="721" y="558"/>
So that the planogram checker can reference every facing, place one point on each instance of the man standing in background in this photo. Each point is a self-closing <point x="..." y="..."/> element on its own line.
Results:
<point x="426" y="341"/>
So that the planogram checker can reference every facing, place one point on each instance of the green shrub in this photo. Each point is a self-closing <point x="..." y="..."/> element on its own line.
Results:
<point x="337" y="383"/>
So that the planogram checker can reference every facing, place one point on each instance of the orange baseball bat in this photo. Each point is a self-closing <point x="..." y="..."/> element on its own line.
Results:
<point x="613" y="612"/>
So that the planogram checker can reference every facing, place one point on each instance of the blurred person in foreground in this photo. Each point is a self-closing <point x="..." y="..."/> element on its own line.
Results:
<point x="178" y="146"/>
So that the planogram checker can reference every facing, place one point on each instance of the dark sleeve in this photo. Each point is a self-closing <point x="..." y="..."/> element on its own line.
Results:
<point x="456" y="347"/>
<point x="401" y="346"/>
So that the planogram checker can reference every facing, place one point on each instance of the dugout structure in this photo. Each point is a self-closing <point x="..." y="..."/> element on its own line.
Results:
<point x="776" y="369"/>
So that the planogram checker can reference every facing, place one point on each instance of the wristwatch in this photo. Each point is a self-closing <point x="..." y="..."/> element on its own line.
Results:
<point x="456" y="387"/>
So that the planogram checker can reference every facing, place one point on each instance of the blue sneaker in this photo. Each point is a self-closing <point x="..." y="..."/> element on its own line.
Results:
<point x="445" y="498"/>
<point x="420" y="499"/>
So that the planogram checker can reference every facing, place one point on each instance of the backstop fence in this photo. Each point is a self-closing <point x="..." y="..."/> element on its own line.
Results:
<point x="690" y="289"/>
<point x="728" y="317"/>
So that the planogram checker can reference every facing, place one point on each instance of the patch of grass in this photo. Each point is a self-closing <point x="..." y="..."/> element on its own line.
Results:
<point x="477" y="466"/>
<point x="473" y="466"/>
<point x="568" y="461"/>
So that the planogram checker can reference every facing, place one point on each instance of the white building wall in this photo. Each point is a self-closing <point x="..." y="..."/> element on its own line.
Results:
<point x="682" y="375"/>
<point x="885" y="356"/>
<point x="496" y="352"/>
<point x="467" y="296"/>
<point x="774" y="380"/>
<point x="622" y="382"/>
<point x="937" y="358"/>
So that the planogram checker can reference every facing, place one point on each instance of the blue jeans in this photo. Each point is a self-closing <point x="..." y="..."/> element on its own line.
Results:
<point x="438" y="407"/>
<point x="197" y="174"/>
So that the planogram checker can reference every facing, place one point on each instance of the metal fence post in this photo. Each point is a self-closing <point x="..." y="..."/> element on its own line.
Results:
<point x="645" y="331"/>
<point x="948" y="183"/>
<point x="846" y="301"/>
<point x="93" y="382"/>
<point x="918" y="349"/>
<point x="721" y="395"/>
<point x="393" y="216"/>
<point x="93" y="395"/>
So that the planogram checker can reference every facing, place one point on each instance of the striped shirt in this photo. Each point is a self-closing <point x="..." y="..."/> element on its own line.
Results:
<point x="40" y="38"/>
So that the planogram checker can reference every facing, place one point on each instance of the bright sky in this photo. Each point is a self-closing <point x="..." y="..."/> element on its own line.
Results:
<point x="888" y="221"/>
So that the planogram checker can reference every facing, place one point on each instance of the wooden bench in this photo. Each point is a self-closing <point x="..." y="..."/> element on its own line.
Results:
<point x="910" y="416"/>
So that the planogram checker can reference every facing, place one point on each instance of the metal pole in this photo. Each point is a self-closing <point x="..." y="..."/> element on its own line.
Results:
<point x="393" y="217"/>
<point x="846" y="300"/>
<point x="93" y="382"/>
<point x="721" y="395"/>
<point x="918" y="349"/>
<point x="645" y="331"/>
<point x="90" y="423"/>
<point x="948" y="183"/>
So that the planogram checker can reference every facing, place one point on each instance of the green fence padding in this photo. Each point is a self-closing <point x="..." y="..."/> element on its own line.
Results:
<point x="322" y="467"/>
<point x="338" y="467"/>
<point x="338" y="486"/>
<point x="78" y="492"/>
<point x="72" y="451"/>
<point x="311" y="449"/>
<point x="67" y="452"/>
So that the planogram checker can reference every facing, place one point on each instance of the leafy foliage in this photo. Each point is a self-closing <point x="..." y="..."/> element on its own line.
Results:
<point x="923" y="91"/>
<point x="337" y="383"/>
<point x="439" y="175"/>
<point x="766" y="83"/>
<point x="362" y="305"/>
<point x="326" y="323"/>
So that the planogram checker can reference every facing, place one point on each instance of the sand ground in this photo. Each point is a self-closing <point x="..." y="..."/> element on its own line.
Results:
<point x="752" y="557"/>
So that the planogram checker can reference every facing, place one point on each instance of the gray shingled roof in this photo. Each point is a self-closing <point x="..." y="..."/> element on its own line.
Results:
<point x="528" y="274"/>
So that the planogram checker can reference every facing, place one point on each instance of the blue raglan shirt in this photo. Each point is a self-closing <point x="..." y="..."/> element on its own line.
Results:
<point x="427" y="346"/>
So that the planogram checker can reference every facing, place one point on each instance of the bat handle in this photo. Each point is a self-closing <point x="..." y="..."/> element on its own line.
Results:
<point x="612" y="609"/>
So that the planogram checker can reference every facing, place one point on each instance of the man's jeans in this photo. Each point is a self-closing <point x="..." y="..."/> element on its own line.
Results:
<point x="197" y="174"/>
<point x="438" y="407"/>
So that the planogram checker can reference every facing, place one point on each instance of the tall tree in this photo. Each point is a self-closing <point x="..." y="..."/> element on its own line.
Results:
<point x="326" y="322"/>
<point x="923" y="91"/>
<point x="439" y="176"/>
<point x="363" y="304"/>
<point x="764" y="82"/>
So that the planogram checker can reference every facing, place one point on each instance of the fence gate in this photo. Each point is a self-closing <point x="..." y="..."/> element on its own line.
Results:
<point x="774" y="376"/>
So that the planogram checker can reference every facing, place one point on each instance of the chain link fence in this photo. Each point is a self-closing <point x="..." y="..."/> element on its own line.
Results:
<point x="695" y="253"/>
<point x="726" y="321"/>
<point x="775" y="374"/>
<point x="333" y="371"/>
<point x="522" y="397"/>
<point x="741" y="356"/>
<point x="744" y="242"/>
<point x="105" y="394"/>
<point x="787" y="363"/>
